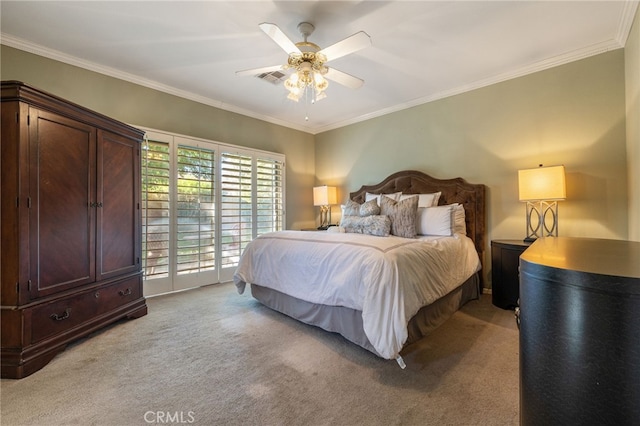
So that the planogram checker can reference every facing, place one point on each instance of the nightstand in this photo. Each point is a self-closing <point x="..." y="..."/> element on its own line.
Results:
<point x="505" y="279"/>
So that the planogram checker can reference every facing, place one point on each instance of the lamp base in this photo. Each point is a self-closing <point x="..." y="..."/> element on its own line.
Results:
<point x="542" y="220"/>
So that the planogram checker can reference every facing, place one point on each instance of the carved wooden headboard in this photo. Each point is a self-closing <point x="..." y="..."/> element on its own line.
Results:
<point x="457" y="190"/>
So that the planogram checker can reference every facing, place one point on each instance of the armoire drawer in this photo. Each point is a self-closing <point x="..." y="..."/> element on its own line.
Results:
<point x="62" y="315"/>
<point x="59" y="316"/>
<point x="119" y="294"/>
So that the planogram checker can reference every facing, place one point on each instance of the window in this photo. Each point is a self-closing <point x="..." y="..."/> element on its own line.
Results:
<point x="203" y="202"/>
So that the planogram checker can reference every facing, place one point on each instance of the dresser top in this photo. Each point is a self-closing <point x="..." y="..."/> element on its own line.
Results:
<point x="591" y="255"/>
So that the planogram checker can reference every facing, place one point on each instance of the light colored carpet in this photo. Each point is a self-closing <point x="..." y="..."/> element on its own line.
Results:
<point x="212" y="357"/>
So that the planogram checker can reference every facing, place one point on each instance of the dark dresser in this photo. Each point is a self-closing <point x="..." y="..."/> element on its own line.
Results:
<point x="580" y="332"/>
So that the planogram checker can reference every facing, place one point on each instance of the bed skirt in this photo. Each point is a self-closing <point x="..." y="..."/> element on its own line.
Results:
<point x="348" y="322"/>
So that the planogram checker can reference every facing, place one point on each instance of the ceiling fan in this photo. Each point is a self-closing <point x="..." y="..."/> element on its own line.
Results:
<point x="306" y="62"/>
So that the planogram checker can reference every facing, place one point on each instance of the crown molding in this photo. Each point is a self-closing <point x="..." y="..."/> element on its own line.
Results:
<point x="626" y="21"/>
<point x="39" y="50"/>
<point x="569" y="57"/>
<point x="566" y="58"/>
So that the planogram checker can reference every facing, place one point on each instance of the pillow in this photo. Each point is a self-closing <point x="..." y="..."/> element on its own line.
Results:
<point x="435" y="220"/>
<point x="336" y="230"/>
<point x="424" y="200"/>
<point x="352" y="208"/>
<point x="372" y="225"/>
<point x="369" y="208"/>
<point x="369" y="196"/>
<point x="459" y="224"/>
<point x="402" y="215"/>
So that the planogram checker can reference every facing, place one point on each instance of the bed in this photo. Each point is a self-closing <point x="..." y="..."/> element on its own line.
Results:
<point x="374" y="290"/>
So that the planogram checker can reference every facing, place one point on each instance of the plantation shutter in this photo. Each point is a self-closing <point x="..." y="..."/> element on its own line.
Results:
<point x="195" y="210"/>
<point x="270" y="195"/>
<point x="156" y="209"/>
<point x="203" y="202"/>
<point x="236" y="213"/>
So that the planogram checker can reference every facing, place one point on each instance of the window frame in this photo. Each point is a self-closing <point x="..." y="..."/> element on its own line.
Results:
<point x="221" y="273"/>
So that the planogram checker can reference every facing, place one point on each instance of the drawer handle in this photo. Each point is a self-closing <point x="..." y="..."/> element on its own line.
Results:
<point x="67" y="314"/>
<point x="125" y="292"/>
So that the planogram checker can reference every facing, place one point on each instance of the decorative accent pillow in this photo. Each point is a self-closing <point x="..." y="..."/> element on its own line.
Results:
<point x="369" y="208"/>
<point x="336" y="230"/>
<point x="368" y="196"/>
<point x="435" y="220"/>
<point x="371" y="225"/>
<point x="424" y="200"/>
<point x="351" y="209"/>
<point x="402" y="214"/>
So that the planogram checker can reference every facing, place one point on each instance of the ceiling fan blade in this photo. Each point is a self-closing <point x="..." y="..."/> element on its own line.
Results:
<point x="351" y="44"/>
<point x="343" y="78"/>
<point x="279" y="37"/>
<point x="257" y="71"/>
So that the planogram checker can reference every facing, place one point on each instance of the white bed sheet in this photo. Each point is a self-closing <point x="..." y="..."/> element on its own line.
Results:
<point x="388" y="278"/>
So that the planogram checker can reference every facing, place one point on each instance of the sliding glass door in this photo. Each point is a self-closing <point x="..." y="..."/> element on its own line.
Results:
<point x="203" y="203"/>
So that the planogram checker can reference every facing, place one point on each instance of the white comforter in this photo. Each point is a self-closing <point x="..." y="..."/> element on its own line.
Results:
<point x="387" y="278"/>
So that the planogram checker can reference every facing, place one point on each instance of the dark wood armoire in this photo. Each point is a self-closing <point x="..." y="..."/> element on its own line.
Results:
<point x="70" y="253"/>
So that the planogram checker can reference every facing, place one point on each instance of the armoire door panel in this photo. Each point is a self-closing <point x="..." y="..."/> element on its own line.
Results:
<point x="62" y="219"/>
<point x="118" y="205"/>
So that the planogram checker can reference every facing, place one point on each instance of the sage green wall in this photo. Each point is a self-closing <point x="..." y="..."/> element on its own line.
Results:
<point x="138" y="105"/>
<point x="632" y="74"/>
<point x="572" y="114"/>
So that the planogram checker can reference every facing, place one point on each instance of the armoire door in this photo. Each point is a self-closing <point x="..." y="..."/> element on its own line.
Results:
<point x="61" y="193"/>
<point x="118" y="239"/>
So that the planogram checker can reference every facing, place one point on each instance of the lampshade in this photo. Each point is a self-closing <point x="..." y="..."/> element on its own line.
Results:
<point x="542" y="183"/>
<point x="324" y="195"/>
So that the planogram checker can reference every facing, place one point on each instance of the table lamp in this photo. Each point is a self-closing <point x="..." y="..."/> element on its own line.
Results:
<point x="541" y="188"/>
<point x="324" y="196"/>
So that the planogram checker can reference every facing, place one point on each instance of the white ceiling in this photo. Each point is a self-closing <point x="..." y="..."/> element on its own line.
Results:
<point x="421" y="50"/>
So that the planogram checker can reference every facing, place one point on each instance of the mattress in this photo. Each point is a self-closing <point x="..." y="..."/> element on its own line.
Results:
<point x="385" y="280"/>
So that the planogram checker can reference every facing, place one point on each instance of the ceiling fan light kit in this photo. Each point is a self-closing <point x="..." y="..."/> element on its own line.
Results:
<point x="306" y="62"/>
<point x="308" y="69"/>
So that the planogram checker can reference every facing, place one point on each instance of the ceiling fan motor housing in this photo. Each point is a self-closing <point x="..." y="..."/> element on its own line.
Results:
<point x="306" y="29"/>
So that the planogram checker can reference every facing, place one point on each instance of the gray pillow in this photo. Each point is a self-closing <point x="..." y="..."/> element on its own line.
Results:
<point x="351" y="208"/>
<point x="372" y="225"/>
<point x="402" y="214"/>
<point x="369" y="208"/>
